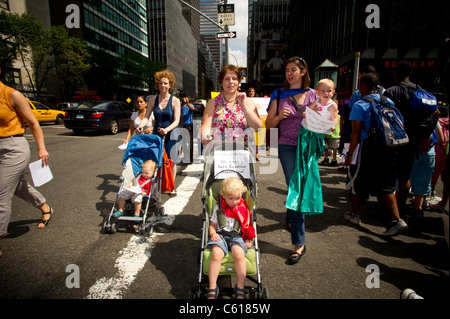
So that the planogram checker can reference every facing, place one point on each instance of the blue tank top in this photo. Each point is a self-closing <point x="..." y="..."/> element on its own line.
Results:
<point x="164" y="117"/>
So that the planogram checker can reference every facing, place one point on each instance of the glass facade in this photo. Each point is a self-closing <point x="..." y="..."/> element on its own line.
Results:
<point x="116" y="25"/>
<point x="208" y="30"/>
<point x="172" y="41"/>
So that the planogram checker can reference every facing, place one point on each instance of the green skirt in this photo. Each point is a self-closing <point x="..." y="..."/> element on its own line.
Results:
<point x="305" y="189"/>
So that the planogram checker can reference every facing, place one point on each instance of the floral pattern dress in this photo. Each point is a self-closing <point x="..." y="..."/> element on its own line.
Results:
<point x="228" y="123"/>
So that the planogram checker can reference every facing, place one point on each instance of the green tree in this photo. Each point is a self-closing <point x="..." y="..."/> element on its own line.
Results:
<point x="138" y="70"/>
<point x="17" y="33"/>
<point x="46" y="51"/>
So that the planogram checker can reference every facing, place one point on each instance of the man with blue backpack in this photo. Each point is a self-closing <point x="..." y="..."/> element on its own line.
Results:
<point x="377" y="131"/>
<point x="418" y="108"/>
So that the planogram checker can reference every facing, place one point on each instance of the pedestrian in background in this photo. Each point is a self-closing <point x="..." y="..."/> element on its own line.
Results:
<point x="166" y="109"/>
<point x="419" y="140"/>
<point x="293" y="99"/>
<point x="187" y="110"/>
<point x="440" y="169"/>
<point x="373" y="167"/>
<point x="136" y="118"/>
<point x="251" y="92"/>
<point x="15" y="155"/>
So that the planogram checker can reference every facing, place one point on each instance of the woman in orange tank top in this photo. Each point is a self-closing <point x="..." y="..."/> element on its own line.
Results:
<point x="15" y="155"/>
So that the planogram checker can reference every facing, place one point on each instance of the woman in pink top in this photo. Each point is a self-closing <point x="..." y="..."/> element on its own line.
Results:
<point x="227" y="115"/>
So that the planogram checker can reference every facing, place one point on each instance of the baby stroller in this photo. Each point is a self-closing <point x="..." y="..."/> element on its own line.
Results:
<point x="213" y="176"/>
<point x="139" y="149"/>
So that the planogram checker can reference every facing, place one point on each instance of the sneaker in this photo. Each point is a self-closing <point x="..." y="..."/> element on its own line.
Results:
<point x="333" y="163"/>
<point x="325" y="161"/>
<point x="395" y="228"/>
<point x="343" y="170"/>
<point x="353" y="218"/>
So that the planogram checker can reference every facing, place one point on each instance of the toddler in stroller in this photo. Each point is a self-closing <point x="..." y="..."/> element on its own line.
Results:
<point x="230" y="229"/>
<point x="141" y="163"/>
<point x="228" y="164"/>
<point x="138" y="188"/>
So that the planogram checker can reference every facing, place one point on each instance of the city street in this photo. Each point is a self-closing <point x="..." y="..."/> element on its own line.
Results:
<point x="342" y="260"/>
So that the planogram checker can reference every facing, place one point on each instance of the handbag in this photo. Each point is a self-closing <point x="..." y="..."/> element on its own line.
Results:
<point x="167" y="181"/>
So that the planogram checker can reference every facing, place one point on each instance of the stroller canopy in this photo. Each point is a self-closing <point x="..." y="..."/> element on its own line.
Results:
<point x="141" y="148"/>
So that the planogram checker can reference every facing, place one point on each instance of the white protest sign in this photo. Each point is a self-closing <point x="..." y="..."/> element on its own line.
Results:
<point x="317" y="123"/>
<point x="262" y="103"/>
<point x="226" y="163"/>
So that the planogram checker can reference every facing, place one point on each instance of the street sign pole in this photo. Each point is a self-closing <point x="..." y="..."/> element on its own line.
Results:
<point x="204" y="15"/>
<point x="226" y="42"/>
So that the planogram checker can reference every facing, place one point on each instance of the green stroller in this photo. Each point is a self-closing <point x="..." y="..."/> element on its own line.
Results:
<point x="234" y="160"/>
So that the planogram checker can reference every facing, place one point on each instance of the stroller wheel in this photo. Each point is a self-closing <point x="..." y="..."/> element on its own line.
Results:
<point x="159" y="210"/>
<point x="195" y="293"/>
<point x="264" y="295"/>
<point x="113" y="228"/>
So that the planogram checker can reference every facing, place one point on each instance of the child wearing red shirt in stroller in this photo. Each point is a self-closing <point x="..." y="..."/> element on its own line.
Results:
<point x="225" y="235"/>
<point x="141" y="181"/>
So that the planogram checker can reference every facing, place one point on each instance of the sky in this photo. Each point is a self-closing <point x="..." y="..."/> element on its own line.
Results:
<point x="238" y="46"/>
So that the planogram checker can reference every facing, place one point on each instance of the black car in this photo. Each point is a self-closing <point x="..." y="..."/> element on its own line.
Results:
<point x="198" y="108"/>
<point x="110" y="116"/>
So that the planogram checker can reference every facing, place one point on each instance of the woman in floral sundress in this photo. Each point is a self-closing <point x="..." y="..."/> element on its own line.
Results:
<point x="231" y="112"/>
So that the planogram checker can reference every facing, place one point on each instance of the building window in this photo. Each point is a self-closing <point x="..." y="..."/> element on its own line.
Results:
<point x="12" y="76"/>
<point x="4" y="4"/>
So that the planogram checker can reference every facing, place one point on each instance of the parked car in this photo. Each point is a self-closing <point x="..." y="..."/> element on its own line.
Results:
<point x="199" y="107"/>
<point x="100" y="115"/>
<point x="66" y="105"/>
<point x="45" y="114"/>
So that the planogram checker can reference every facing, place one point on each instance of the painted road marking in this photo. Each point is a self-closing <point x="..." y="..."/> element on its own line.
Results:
<point x="139" y="248"/>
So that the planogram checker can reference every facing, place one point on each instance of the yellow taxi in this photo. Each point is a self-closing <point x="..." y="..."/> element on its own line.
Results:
<point x="45" y="114"/>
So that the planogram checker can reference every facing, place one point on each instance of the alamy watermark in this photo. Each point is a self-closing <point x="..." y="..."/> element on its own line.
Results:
<point x="373" y="279"/>
<point x="373" y="19"/>
<point x="73" y="280"/>
<point x="73" y="19"/>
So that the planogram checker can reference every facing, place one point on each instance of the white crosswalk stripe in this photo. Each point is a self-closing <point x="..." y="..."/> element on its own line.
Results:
<point x="134" y="256"/>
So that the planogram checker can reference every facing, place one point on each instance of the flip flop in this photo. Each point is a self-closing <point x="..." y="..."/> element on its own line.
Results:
<point x="45" y="222"/>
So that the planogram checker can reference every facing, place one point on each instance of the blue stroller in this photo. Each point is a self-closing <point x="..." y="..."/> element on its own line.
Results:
<point x="140" y="148"/>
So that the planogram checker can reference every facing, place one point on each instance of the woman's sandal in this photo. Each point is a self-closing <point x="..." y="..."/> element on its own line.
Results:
<point x="46" y="221"/>
<point x="295" y="256"/>
<point x="212" y="293"/>
<point x="239" y="293"/>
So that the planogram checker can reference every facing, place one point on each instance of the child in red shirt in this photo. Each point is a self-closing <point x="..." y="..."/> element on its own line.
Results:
<point x="143" y="182"/>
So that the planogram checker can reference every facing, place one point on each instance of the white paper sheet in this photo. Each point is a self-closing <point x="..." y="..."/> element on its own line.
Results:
<point x="135" y="189"/>
<point x="39" y="174"/>
<point x="317" y="123"/>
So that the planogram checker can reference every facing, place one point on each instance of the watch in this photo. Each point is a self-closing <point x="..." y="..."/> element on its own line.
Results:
<point x="349" y="154"/>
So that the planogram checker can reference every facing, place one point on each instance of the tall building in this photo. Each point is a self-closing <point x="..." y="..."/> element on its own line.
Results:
<point x="173" y="42"/>
<point x="17" y="76"/>
<point x="116" y="26"/>
<point x="113" y="27"/>
<point x="208" y="31"/>
<point x="268" y="43"/>
<point x="407" y="30"/>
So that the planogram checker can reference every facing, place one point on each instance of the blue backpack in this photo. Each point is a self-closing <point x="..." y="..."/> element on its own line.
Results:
<point x="423" y="101"/>
<point x="420" y="112"/>
<point x="386" y="124"/>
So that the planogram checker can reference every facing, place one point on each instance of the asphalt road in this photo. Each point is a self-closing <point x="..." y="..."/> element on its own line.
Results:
<point x="73" y="259"/>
